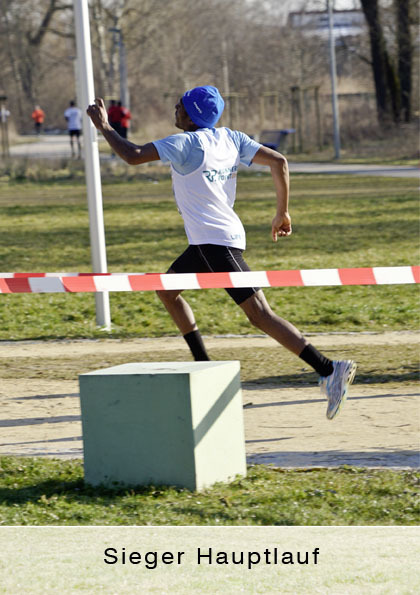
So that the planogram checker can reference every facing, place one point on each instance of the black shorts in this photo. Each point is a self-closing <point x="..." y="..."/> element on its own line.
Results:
<point x="74" y="132"/>
<point x="210" y="258"/>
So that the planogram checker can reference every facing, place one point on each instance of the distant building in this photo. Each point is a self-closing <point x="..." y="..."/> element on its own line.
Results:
<point x="347" y="23"/>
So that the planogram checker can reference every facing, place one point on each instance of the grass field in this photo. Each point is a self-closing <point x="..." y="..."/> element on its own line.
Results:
<point x="339" y="221"/>
<point x="35" y="492"/>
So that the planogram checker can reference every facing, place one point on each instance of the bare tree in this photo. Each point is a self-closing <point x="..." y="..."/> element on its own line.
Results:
<point x="392" y="76"/>
<point x="100" y="29"/>
<point x="405" y="51"/>
<point x="246" y="48"/>
<point x="26" y="24"/>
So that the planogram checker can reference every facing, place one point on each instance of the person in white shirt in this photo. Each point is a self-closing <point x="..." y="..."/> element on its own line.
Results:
<point x="4" y="114"/>
<point x="204" y="162"/>
<point x="73" y="115"/>
<point x="4" y="117"/>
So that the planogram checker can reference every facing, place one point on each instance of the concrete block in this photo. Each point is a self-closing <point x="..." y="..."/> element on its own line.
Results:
<point x="163" y="423"/>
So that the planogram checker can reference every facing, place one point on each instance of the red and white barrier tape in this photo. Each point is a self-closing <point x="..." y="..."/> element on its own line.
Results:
<point x="90" y="282"/>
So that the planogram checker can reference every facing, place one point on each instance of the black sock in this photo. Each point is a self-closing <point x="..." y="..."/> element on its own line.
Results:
<point x="195" y="343"/>
<point x="321" y="364"/>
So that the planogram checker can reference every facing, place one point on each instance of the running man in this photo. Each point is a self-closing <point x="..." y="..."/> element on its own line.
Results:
<point x="204" y="162"/>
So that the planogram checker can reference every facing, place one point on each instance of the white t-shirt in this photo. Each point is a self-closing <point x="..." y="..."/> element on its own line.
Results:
<point x="73" y="116"/>
<point x="206" y="194"/>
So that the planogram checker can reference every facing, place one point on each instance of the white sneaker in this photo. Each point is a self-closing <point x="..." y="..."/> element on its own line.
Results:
<point x="335" y="385"/>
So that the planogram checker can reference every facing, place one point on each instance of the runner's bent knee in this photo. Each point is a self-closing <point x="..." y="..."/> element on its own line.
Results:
<point x="257" y="309"/>
<point x="168" y="296"/>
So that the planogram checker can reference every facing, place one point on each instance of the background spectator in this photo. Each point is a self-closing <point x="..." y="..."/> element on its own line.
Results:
<point x="73" y="115"/>
<point x="38" y="116"/>
<point x="125" y="119"/>
<point x="114" y="116"/>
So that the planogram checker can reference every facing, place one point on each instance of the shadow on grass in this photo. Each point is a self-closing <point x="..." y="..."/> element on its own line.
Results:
<point x="267" y="496"/>
<point x="76" y="491"/>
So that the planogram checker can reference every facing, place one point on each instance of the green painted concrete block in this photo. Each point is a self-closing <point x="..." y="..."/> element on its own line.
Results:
<point x="163" y="423"/>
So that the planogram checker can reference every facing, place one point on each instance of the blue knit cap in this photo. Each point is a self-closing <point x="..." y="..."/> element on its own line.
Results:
<point x="204" y="105"/>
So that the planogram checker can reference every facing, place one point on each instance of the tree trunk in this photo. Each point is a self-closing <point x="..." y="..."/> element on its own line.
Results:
<point x="24" y="47"/>
<point x="100" y="29"/>
<point x="402" y="10"/>
<point x="380" y="61"/>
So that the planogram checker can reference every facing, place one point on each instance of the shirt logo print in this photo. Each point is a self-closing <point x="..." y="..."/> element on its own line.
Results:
<point x="221" y="175"/>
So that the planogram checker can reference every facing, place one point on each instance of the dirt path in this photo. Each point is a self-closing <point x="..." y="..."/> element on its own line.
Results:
<point x="283" y="426"/>
<point x="67" y="348"/>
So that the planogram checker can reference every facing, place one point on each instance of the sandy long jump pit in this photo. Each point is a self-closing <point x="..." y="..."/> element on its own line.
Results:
<point x="285" y="427"/>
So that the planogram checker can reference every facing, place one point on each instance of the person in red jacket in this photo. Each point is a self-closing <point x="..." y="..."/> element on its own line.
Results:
<point x="125" y="120"/>
<point x="114" y="116"/>
<point x="38" y="117"/>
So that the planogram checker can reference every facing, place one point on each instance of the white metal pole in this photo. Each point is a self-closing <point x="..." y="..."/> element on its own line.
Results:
<point x="77" y="85"/>
<point x="92" y="168"/>
<point x="333" y="71"/>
